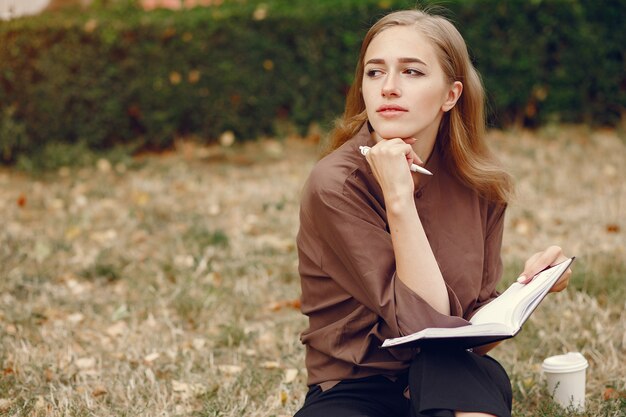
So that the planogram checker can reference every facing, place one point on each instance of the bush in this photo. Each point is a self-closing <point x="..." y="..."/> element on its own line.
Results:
<point x="105" y="77"/>
<point x="13" y="137"/>
<point x="549" y="61"/>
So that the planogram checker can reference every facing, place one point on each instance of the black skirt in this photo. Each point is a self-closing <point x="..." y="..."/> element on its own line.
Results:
<point x="440" y="382"/>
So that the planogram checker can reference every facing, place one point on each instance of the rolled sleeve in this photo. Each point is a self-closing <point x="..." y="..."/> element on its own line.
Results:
<point x="420" y="314"/>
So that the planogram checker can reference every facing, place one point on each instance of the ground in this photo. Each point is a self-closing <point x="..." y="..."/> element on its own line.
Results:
<point x="167" y="284"/>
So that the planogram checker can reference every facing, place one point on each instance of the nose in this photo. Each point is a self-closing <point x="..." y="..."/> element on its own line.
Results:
<point x="390" y="87"/>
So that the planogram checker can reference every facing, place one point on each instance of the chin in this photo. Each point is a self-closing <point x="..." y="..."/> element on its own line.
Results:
<point x="391" y="129"/>
<point x="391" y="133"/>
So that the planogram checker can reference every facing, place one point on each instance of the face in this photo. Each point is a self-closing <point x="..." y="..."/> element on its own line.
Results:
<point x="404" y="88"/>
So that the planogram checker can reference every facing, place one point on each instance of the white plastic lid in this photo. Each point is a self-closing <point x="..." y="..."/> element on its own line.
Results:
<point x="570" y="362"/>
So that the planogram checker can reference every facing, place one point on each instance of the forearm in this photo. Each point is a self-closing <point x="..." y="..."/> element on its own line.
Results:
<point x="416" y="265"/>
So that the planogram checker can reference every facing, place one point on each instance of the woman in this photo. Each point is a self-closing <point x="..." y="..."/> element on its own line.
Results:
<point x="385" y="251"/>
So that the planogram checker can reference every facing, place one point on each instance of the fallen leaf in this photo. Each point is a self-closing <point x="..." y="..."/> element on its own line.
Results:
<point x="117" y="329"/>
<point x="76" y="287"/>
<point x="105" y="236"/>
<point x="150" y="375"/>
<point x="227" y="139"/>
<point x="273" y="148"/>
<point x="40" y="403"/>
<point x="522" y="226"/>
<point x="90" y="25"/>
<point x="612" y="228"/>
<point x="186" y="391"/>
<point x="178" y="386"/>
<point x="104" y="165"/>
<point x="5" y="404"/>
<point x="141" y="198"/>
<point x="99" y="391"/>
<point x="21" y="201"/>
<point x="175" y="78"/>
<point x="609" y="394"/>
<point x="283" y="396"/>
<point x="277" y="305"/>
<point x="198" y="343"/>
<point x="85" y="363"/>
<point x="229" y="369"/>
<point x="276" y="242"/>
<point x="613" y="394"/>
<point x="75" y="318"/>
<point x="193" y="76"/>
<point x="260" y="12"/>
<point x="215" y="278"/>
<point x="528" y="383"/>
<point x="184" y="261"/>
<point x="290" y="375"/>
<point x="151" y="321"/>
<point x="270" y="365"/>
<point x="268" y="64"/>
<point x="151" y="357"/>
<point x="81" y="200"/>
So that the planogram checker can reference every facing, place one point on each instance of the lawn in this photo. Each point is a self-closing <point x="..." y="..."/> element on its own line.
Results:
<point x="167" y="284"/>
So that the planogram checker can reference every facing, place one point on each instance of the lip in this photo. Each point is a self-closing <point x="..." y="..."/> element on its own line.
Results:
<point x="391" y="109"/>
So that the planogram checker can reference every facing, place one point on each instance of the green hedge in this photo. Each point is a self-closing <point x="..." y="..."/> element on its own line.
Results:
<point x="107" y="77"/>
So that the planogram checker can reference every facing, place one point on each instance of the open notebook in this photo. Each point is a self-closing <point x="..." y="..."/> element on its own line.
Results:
<point x="502" y="318"/>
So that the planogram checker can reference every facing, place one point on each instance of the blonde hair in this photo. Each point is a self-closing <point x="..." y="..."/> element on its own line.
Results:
<point x="461" y="133"/>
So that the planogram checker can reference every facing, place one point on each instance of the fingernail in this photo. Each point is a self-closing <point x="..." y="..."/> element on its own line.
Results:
<point x="521" y="278"/>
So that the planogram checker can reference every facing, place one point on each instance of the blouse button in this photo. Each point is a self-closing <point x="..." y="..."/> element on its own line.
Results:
<point x="418" y="194"/>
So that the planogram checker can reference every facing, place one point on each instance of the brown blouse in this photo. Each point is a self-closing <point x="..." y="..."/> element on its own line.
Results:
<point x="350" y="291"/>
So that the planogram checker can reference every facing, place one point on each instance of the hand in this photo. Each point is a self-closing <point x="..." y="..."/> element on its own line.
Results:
<point x="540" y="261"/>
<point x="390" y="160"/>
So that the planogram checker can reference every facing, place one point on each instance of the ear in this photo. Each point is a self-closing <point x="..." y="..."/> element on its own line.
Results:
<point x="454" y="93"/>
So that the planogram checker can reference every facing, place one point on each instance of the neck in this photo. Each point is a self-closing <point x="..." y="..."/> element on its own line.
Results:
<point x="424" y="148"/>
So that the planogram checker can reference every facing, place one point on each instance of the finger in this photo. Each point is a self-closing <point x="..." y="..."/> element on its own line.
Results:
<point x="413" y="158"/>
<point x="523" y="278"/>
<point x="391" y="149"/>
<point x="539" y="262"/>
<point x="563" y="282"/>
<point x="409" y="141"/>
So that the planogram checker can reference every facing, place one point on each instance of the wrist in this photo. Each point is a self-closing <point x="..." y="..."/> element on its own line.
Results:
<point x="399" y="204"/>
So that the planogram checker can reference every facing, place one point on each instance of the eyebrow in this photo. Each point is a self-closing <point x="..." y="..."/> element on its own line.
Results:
<point x="401" y="60"/>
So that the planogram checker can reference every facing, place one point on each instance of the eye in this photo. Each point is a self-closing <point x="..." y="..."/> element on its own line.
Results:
<point x="373" y="73"/>
<point x="413" y="72"/>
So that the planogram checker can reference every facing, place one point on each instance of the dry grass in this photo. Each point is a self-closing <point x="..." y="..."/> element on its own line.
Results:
<point x="169" y="287"/>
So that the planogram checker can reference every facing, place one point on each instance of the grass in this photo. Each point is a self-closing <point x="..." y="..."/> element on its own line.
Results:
<point x="168" y="285"/>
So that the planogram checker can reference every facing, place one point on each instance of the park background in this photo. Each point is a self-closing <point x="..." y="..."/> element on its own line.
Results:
<point x="152" y="156"/>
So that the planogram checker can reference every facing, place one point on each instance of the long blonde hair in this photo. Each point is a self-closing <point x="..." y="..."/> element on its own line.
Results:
<point x="461" y="133"/>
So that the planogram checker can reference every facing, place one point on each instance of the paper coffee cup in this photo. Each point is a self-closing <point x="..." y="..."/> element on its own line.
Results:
<point x="566" y="379"/>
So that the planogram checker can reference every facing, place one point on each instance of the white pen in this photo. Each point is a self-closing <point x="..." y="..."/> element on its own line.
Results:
<point x="413" y="167"/>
